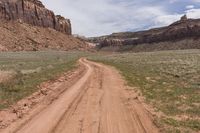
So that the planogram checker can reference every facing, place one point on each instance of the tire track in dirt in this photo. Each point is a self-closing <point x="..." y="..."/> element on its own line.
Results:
<point x="97" y="103"/>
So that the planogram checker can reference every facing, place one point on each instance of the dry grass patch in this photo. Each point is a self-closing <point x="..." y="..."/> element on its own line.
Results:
<point x="169" y="80"/>
<point x="26" y="70"/>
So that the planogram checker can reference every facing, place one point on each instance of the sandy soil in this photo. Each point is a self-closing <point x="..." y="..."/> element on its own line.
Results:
<point x="97" y="102"/>
<point x="6" y="75"/>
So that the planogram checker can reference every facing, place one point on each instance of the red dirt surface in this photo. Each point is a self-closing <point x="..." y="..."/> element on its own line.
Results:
<point x="16" y="36"/>
<point x="96" y="100"/>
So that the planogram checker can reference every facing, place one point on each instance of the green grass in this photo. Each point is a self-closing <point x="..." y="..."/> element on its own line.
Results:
<point x="26" y="65"/>
<point x="170" y="81"/>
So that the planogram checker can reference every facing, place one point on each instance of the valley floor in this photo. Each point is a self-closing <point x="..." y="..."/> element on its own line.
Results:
<point x="169" y="81"/>
<point x="47" y="92"/>
<point x="98" y="102"/>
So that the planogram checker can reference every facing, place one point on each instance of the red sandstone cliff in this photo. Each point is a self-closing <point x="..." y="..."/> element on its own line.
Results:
<point x="183" y="34"/>
<point x="33" y="12"/>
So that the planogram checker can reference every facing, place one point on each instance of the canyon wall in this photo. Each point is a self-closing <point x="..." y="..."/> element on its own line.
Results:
<point x="180" y="30"/>
<point x="34" y="13"/>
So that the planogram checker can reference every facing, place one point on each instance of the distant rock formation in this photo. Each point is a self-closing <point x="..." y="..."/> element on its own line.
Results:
<point x="182" y="29"/>
<point x="184" y="18"/>
<point x="33" y="12"/>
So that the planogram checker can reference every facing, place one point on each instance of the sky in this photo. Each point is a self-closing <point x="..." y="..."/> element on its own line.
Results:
<point x="101" y="17"/>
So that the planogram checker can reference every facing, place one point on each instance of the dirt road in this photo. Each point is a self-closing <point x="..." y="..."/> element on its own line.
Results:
<point x="98" y="102"/>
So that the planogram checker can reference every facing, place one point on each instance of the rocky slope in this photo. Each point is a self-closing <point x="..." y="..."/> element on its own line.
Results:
<point x="17" y="36"/>
<point x="33" y="12"/>
<point x="184" y="29"/>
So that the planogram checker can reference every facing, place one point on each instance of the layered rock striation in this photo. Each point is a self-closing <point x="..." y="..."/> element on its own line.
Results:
<point x="182" y="29"/>
<point x="33" y="12"/>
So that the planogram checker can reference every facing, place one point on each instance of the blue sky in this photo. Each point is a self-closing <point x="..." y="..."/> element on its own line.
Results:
<point x="100" y="17"/>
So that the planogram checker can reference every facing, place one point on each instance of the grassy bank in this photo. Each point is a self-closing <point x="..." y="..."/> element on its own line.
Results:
<point x="30" y="69"/>
<point x="169" y="80"/>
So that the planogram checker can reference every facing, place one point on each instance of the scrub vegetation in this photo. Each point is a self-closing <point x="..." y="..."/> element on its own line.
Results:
<point x="170" y="82"/>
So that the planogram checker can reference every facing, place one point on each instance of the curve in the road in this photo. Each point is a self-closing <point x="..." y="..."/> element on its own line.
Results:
<point x="97" y="103"/>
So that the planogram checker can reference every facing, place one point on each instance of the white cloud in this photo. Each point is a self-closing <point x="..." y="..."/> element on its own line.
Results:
<point x="189" y="7"/>
<point x="89" y="17"/>
<point x="98" y="17"/>
<point x="193" y="13"/>
<point x="172" y="1"/>
<point x="167" y="19"/>
<point x="196" y="0"/>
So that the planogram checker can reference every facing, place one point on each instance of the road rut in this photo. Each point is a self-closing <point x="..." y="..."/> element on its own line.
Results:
<point x="98" y="102"/>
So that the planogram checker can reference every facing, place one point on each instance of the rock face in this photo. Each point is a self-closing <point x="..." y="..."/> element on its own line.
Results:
<point x="182" y="29"/>
<point x="33" y="12"/>
<point x="184" y="18"/>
